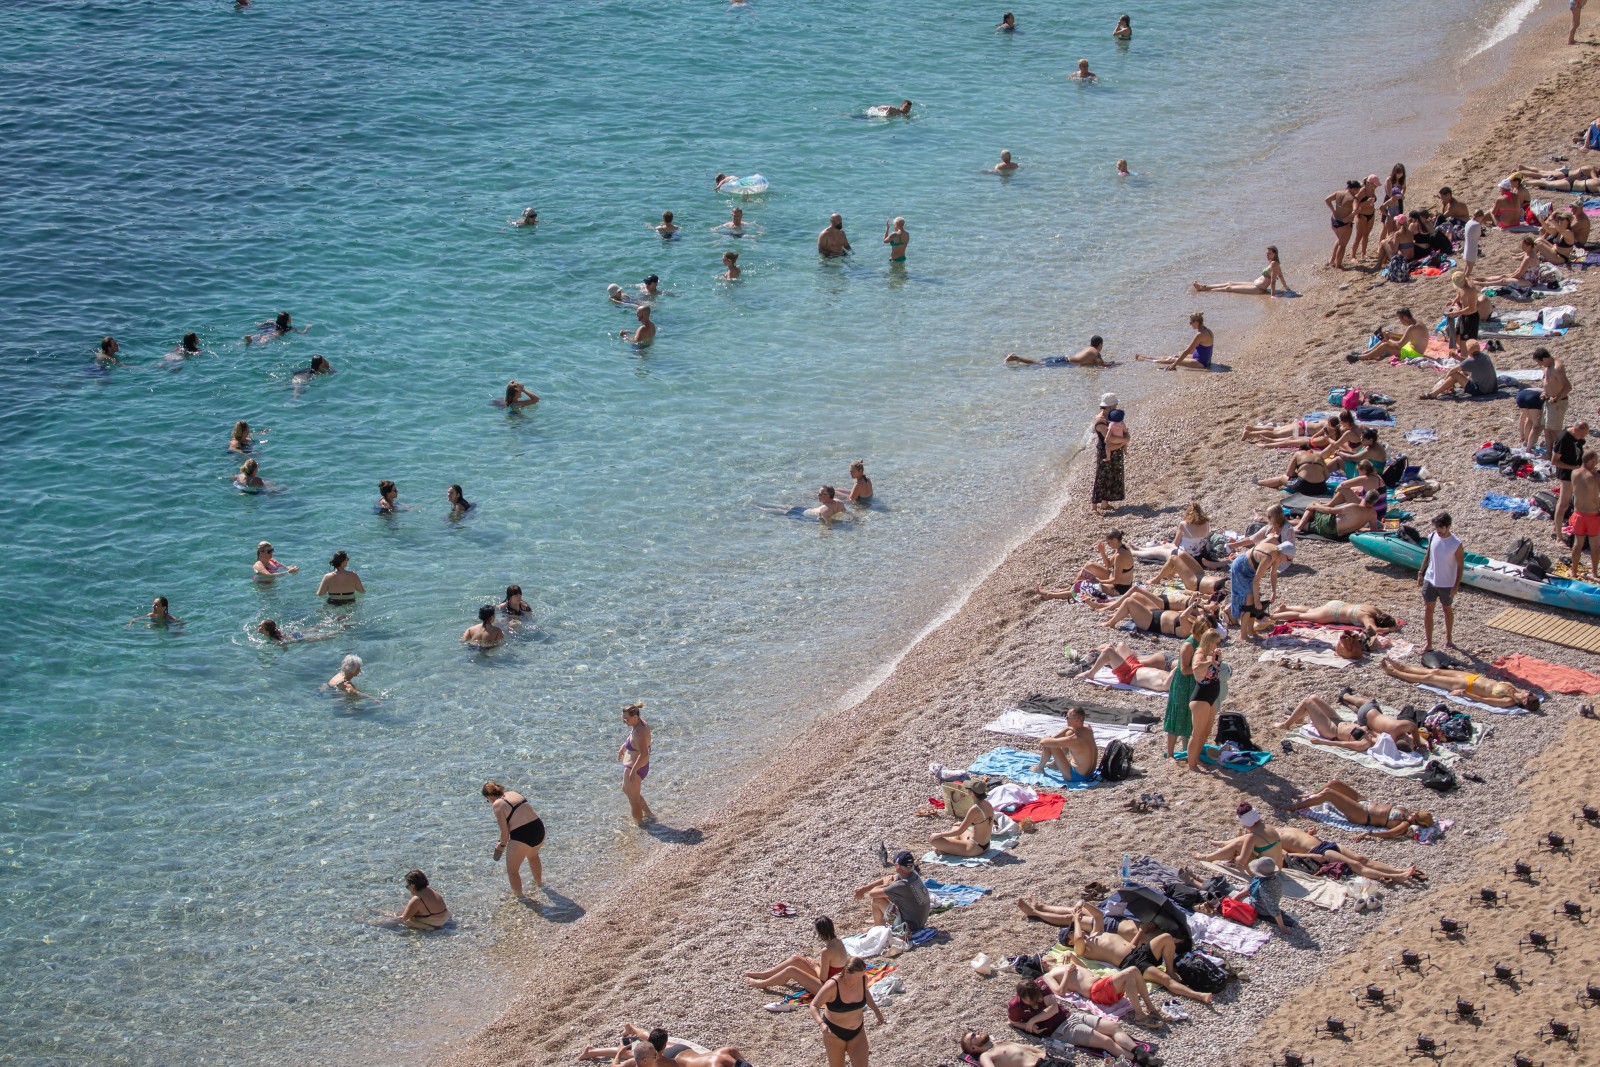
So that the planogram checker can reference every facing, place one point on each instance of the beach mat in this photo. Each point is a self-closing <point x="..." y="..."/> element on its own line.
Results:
<point x="998" y="846"/>
<point x="1569" y="633"/>
<point x="1017" y="766"/>
<point x="1107" y="714"/>
<point x="1208" y="754"/>
<point x="1532" y="672"/>
<point x="1017" y="723"/>
<point x="1106" y="680"/>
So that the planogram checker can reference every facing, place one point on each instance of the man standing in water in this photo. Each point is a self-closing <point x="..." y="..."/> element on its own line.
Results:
<point x="646" y="331"/>
<point x="486" y="634"/>
<point x="1005" y="166"/>
<point x="832" y="241"/>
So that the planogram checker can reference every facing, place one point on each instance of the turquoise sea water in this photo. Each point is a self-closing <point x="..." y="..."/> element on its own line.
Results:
<point x="190" y="833"/>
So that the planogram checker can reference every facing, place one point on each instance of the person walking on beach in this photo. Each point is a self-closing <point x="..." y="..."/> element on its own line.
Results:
<point x="897" y="239"/>
<point x="1111" y="441"/>
<point x="832" y="242"/>
<point x="1439" y="578"/>
<point x="635" y="757"/>
<point x="1575" y="7"/>
<point x="1342" y="205"/>
<point x="521" y="834"/>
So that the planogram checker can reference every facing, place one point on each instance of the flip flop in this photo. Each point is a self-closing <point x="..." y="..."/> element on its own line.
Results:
<point x="780" y="910"/>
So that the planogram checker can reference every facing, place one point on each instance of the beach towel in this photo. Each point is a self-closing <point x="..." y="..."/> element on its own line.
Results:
<point x="875" y="971"/>
<point x="1327" y="813"/>
<point x="1105" y="678"/>
<point x="1247" y="761"/>
<point x="1046" y="809"/>
<point x="1030" y="724"/>
<point x="1017" y="765"/>
<point x="1516" y="505"/>
<point x="999" y="845"/>
<point x="1469" y="702"/>
<point x="1099" y="714"/>
<point x="1228" y="935"/>
<point x="1305" y="643"/>
<point x="951" y="895"/>
<point x="1542" y="674"/>
<point x="1406" y="766"/>
<point x="1421" y="437"/>
<point x="1008" y="795"/>
<point x="1319" y="892"/>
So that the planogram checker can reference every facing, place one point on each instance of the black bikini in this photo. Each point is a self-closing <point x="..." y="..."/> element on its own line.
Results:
<point x="529" y="833"/>
<point x="845" y="1033"/>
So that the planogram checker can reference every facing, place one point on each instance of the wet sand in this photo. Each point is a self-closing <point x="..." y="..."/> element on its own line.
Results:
<point x="666" y="946"/>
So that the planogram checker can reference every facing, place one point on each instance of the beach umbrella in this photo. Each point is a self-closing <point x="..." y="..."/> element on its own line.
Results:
<point x="1151" y="906"/>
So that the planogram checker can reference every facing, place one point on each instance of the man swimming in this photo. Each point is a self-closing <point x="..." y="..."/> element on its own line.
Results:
<point x="832" y="242"/>
<point x="666" y="227"/>
<point x="885" y="110"/>
<point x="1083" y="73"/>
<point x="1093" y="356"/>
<point x="1005" y="166"/>
<point x="486" y="634"/>
<point x="529" y="217"/>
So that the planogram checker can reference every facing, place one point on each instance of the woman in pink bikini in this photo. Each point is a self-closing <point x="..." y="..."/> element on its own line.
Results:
<point x="635" y="757"/>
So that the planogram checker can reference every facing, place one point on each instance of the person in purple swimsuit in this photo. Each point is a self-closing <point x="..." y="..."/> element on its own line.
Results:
<point x="635" y="757"/>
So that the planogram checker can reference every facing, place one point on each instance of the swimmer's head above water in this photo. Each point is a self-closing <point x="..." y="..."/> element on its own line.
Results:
<point x="269" y="630"/>
<point x="283" y="323"/>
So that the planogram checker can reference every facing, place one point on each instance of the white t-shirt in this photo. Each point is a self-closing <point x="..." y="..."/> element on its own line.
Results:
<point x="1470" y="235"/>
<point x="1441" y="572"/>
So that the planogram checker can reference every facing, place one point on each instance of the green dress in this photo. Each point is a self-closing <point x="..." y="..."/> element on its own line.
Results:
<point x="1179" y="722"/>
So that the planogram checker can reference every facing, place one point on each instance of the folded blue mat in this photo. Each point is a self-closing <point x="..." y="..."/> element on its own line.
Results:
<point x="1257" y="760"/>
<point x="1018" y="765"/>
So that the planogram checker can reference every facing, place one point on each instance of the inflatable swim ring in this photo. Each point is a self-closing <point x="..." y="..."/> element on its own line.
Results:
<point x="749" y="185"/>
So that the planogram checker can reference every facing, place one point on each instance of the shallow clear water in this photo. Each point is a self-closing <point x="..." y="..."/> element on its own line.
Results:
<point x="189" y="833"/>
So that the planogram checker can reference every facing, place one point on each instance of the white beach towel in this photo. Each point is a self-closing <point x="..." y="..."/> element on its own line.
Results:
<point x="1035" y="726"/>
<point x="1108" y="680"/>
<point x="1008" y="793"/>
<point x="874" y="942"/>
<point x="1327" y="813"/>
<point x="1319" y="892"/>
<point x="1469" y="702"/>
<point x="1227" y="935"/>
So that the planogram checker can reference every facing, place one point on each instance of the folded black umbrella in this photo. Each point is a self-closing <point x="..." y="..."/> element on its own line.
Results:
<point x="1153" y="907"/>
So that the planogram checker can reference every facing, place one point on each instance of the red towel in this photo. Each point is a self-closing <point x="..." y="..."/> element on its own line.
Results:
<point x="1551" y="677"/>
<point x="1045" y="809"/>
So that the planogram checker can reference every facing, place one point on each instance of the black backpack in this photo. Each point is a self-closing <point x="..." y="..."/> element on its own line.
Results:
<point x="1521" y="551"/>
<point x="1491" y="455"/>
<point x="1438" y="777"/>
<point x="1231" y="726"/>
<point x="1116" y="763"/>
<point x="1200" y="974"/>
<point x="1394" y="470"/>
<point x="1410" y="533"/>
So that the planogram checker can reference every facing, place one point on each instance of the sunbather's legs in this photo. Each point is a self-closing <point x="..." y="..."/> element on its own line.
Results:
<point x="1130" y="983"/>
<point x="1050" y="914"/>
<point x="1420" y="675"/>
<point x="1233" y="851"/>
<point x="1109" y="654"/>
<point x="1369" y="868"/>
<point x="1249" y="288"/>
<point x="796" y="970"/>
<point x="1317" y="712"/>
<point x="1172" y="985"/>
<point x="955" y="843"/>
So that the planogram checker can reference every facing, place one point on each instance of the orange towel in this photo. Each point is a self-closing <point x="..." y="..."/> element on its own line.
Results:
<point x="1551" y="677"/>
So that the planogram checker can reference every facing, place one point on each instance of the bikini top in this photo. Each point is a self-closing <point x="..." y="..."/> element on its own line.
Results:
<point x="847" y="1005"/>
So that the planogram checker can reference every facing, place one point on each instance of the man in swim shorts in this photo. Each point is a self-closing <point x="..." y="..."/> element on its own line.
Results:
<point x="1093" y="356"/>
<point x="1409" y="341"/>
<point x="1586" y="515"/>
<point x="832" y="242"/>
<point x="1073" y="749"/>
<point x="1557" y="389"/>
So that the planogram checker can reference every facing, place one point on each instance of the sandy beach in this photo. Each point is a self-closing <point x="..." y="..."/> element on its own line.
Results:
<point x="669" y="941"/>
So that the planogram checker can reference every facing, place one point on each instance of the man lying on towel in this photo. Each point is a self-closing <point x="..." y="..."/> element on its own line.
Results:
<point x="1153" y="672"/>
<point x="1072" y="750"/>
<point x="1337" y="522"/>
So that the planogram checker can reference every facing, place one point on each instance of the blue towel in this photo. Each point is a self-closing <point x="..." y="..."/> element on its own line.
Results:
<point x="1499" y="502"/>
<point x="954" y="895"/>
<point x="1257" y="760"/>
<point x="924" y="935"/>
<point x="1017" y="765"/>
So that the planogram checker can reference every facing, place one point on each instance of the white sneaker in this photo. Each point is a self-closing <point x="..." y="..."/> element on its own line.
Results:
<point x="1173" y="1010"/>
<point x="782" y="1005"/>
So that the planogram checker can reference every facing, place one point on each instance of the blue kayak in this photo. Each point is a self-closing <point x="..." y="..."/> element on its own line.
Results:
<point x="1490" y="575"/>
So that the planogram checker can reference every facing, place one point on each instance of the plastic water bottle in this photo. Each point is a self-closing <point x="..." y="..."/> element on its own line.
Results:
<point x="1125" y="867"/>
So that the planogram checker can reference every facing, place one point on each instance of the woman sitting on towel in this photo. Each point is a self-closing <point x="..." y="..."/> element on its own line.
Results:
<point x="1339" y="613"/>
<point x="1367" y="478"/>
<point x="1193" y="535"/>
<point x="1172" y="623"/>
<point x="1337" y="429"/>
<point x="1390" y="820"/>
<point x="1460" y="683"/>
<point x="1527" y="273"/>
<point x="1151" y="672"/>
<point x="1115" y="567"/>
<point x="1307" y="474"/>
<point x="971" y="835"/>
<point x="1358" y="736"/>
<point x="804" y="971"/>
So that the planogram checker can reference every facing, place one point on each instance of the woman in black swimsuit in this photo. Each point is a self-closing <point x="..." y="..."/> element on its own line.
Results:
<point x="521" y="834"/>
<point x="339" y="585"/>
<point x="1114" y="569"/>
<point x="1342" y="207"/>
<point x="840" y="1020"/>
<point x="1366" y="209"/>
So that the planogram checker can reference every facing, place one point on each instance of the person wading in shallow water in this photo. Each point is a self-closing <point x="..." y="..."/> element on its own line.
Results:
<point x="635" y="757"/>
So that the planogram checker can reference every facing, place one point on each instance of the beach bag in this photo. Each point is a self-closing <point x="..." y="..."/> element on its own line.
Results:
<point x="1231" y="726"/>
<point x="958" y="799"/>
<point x="1457" y="727"/>
<point x="1185" y="896"/>
<point x="1240" y="911"/>
<point x="1520" y="552"/>
<point x="1351" y="399"/>
<point x="1306" y="864"/>
<point x="1438" y="777"/>
<point x="1029" y="966"/>
<point x="1200" y="974"/>
<point x="1494" y="454"/>
<point x="1394" y="470"/>
<point x="1116" y="763"/>
<point x="1351" y="645"/>
<point x="1545" y="501"/>
<point x="1399" y="270"/>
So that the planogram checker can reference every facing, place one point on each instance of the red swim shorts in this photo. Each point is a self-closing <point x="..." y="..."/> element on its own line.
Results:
<point x="1125" y="673"/>
<point x="1586" y="524"/>
<point x="1104" y="993"/>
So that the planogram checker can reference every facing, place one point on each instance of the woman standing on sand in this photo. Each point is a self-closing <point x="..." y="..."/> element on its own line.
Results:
<point x="1366" y="210"/>
<point x="1206" y="668"/>
<point x="635" y="757"/>
<point x="842" y="1021"/>
<point x="1180" y="720"/>
<point x="1111" y="440"/>
<point x="521" y="834"/>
